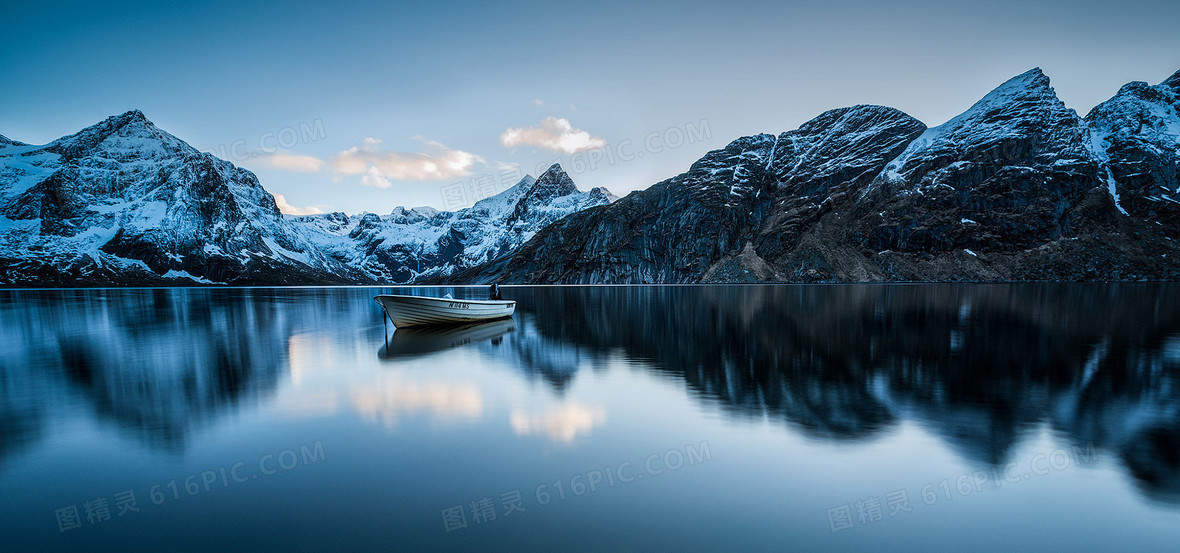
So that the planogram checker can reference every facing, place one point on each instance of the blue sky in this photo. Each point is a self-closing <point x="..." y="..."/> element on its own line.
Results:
<point x="432" y="103"/>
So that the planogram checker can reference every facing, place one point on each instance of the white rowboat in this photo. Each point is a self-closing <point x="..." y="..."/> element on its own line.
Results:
<point x="421" y="310"/>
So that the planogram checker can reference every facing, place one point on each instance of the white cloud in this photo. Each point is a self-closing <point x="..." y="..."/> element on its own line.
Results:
<point x="292" y="210"/>
<point x="538" y="102"/>
<point x="378" y="168"/>
<point x="291" y="162"/>
<point x="373" y="177"/>
<point x="554" y="134"/>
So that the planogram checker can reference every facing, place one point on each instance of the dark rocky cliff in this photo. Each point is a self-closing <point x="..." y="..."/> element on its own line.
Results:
<point x="1018" y="187"/>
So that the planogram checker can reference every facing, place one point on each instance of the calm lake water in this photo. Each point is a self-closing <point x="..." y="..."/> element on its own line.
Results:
<point x="760" y="418"/>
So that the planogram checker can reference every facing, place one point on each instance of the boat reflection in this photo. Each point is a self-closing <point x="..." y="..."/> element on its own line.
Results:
<point x="418" y="341"/>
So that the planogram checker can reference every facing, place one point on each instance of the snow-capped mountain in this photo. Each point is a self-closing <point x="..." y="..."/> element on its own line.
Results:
<point x="1023" y="109"/>
<point x="1017" y="187"/>
<point x="1136" y="136"/>
<point x="124" y="202"/>
<point x="410" y="245"/>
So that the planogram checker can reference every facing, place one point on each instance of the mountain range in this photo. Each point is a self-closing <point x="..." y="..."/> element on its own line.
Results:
<point x="411" y="245"/>
<point x="1017" y="187"/>
<point x="125" y="203"/>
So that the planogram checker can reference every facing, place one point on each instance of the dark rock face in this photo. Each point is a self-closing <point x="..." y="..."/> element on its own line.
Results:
<point x="1015" y="188"/>
<point x="1018" y="187"/>
<point x="698" y="222"/>
<point x="1009" y="174"/>
<point x="817" y="175"/>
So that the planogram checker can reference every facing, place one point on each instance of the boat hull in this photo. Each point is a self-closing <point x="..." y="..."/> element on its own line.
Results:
<point x="406" y="311"/>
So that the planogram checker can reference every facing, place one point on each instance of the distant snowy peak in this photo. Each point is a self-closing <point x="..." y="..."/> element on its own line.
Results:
<point x="504" y="203"/>
<point x="412" y="244"/>
<point x="550" y="197"/>
<point x="413" y="214"/>
<point x="601" y="193"/>
<point x="5" y="141"/>
<point x="553" y="183"/>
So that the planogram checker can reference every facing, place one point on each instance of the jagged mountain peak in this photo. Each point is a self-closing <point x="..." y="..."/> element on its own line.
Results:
<point x="128" y="131"/>
<point x="1022" y="110"/>
<point x="131" y="115"/>
<point x="1136" y="105"/>
<point x="113" y="123"/>
<point x="1012" y="102"/>
<point x="554" y="175"/>
<point x="1031" y="87"/>
<point x="1033" y="78"/>
<point x="1139" y="90"/>
<point x="5" y="141"/>
<point x="602" y="192"/>
<point x="1173" y="81"/>
<point x="1136" y="137"/>
<point x="1132" y="88"/>
<point x="503" y="202"/>
<point x="553" y="183"/>
<point x="124" y="201"/>
<point x="1010" y="189"/>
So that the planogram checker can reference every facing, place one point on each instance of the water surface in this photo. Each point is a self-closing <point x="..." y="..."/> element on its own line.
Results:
<point x="759" y="418"/>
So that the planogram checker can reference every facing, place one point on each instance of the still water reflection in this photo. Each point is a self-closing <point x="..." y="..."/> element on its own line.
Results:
<point x="291" y="419"/>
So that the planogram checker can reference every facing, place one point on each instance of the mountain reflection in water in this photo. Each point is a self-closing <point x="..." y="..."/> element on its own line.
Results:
<point x="981" y="366"/>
